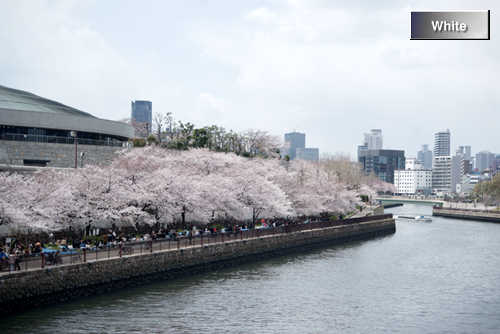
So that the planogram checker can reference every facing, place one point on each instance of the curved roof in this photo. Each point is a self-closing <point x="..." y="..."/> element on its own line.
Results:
<point x="15" y="99"/>
<point x="21" y="108"/>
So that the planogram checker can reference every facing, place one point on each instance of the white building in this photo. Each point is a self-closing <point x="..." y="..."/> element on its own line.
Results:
<point x="467" y="184"/>
<point x="413" y="181"/>
<point x="441" y="164"/>
<point x="441" y="175"/>
<point x="413" y="163"/>
<point x="442" y="143"/>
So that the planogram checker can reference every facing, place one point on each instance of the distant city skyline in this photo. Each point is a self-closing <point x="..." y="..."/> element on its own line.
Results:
<point x="270" y="65"/>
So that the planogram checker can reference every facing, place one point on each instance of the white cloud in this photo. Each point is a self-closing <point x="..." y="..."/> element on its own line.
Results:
<point x="331" y="69"/>
<point x="261" y="15"/>
<point x="209" y="109"/>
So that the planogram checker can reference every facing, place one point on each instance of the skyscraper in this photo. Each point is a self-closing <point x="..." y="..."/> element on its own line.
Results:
<point x="425" y="157"/>
<point x="465" y="151"/>
<point x="460" y="165"/>
<point x="374" y="139"/>
<point x="294" y="140"/>
<point x="371" y="141"/>
<point x="485" y="160"/>
<point x="296" y="147"/>
<point x="442" y="163"/>
<point x="442" y="143"/>
<point x="142" y="117"/>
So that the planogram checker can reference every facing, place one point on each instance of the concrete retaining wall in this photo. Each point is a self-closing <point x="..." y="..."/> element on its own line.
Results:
<point x="489" y="216"/>
<point x="28" y="289"/>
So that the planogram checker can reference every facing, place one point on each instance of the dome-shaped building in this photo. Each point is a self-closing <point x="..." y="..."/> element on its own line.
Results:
<point x="35" y="131"/>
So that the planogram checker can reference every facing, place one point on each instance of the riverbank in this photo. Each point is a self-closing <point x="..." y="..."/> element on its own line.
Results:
<point x="392" y="205"/>
<point x="470" y="214"/>
<point x="23" y="290"/>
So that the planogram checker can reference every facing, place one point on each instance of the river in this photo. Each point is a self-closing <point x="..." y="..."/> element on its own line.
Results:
<point x="438" y="277"/>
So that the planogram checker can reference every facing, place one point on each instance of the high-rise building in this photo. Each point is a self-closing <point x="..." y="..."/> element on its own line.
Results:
<point x="442" y="164"/>
<point x="294" y="140"/>
<point x="374" y="139"/>
<point x="296" y="147"/>
<point x="460" y="166"/>
<point x="142" y="117"/>
<point x="457" y="170"/>
<point x="485" y="160"/>
<point x="425" y="157"/>
<point x="465" y="151"/>
<point x="382" y="163"/>
<point x="442" y="144"/>
<point x="441" y="174"/>
<point x="371" y="141"/>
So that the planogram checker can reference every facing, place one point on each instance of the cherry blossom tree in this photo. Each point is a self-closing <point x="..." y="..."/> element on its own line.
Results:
<point x="154" y="185"/>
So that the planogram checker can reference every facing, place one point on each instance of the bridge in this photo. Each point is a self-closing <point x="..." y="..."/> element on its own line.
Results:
<point x="399" y="199"/>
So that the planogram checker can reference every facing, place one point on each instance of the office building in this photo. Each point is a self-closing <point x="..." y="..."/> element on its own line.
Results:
<point x="461" y="164"/>
<point x="295" y="147"/>
<point x="293" y="141"/>
<point x="465" y="151"/>
<point x="425" y="157"/>
<point x="382" y="163"/>
<point x="142" y="117"/>
<point x="371" y="141"/>
<point x="457" y="171"/>
<point x="441" y="175"/>
<point x="467" y="184"/>
<point x="374" y="139"/>
<point x="485" y="160"/>
<point x="442" y="163"/>
<point x="442" y="144"/>
<point x="412" y="164"/>
<point x="413" y="181"/>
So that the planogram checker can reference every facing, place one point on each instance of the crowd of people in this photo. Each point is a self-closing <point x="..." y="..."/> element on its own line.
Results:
<point x="14" y="252"/>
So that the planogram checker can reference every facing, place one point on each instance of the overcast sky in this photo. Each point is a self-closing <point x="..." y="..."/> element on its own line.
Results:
<point x="331" y="69"/>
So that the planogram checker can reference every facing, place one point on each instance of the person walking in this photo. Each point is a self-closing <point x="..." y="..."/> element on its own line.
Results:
<point x="17" y="260"/>
<point x="12" y="262"/>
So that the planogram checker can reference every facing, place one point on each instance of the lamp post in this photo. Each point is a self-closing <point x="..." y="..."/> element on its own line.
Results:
<point x="74" y="135"/>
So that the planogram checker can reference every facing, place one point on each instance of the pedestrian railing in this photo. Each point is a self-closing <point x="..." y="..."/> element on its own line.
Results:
<point x="466" y="210"/>
<point x="55" y="258"/>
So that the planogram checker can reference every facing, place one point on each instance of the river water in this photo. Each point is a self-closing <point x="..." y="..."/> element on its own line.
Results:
<point x="439" y="277"/>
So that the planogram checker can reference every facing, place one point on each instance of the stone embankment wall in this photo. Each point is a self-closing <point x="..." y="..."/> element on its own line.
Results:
<point x="59" y="155"/>
<point x="28" y="289"/>
<point x="482" y="215"/>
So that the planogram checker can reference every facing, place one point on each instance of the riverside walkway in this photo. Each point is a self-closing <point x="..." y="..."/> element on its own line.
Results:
<point x="48" y="260"/>
<point x="470" y="214"/>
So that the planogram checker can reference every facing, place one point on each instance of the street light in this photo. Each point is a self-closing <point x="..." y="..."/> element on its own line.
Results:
<point x="74" y="135"/>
